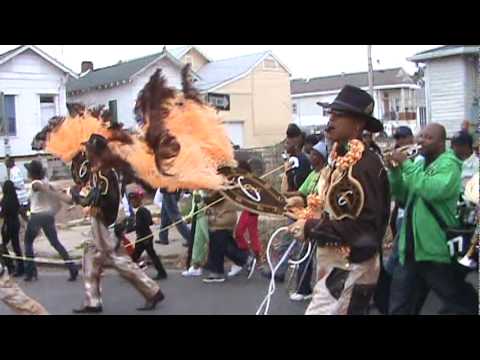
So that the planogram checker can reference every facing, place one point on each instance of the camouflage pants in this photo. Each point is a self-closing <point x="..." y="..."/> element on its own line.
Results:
<point x="342" y="288"/>
<point x="15" y="298"/>
<point x="101" y="252"/>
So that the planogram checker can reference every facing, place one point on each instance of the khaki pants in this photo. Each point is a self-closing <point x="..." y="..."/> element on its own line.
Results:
<point x="100" y="252"/>
<point x="342" y="288"/>
<point x="15" y="298"/>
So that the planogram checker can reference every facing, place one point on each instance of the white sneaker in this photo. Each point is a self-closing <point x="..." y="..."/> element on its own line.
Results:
<point x="192" y="272"/>
<point x="235" y="270"/>
<point x="300" y="297"/>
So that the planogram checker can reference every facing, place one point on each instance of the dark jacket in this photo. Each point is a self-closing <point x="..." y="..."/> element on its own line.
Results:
<point x="364" y="235"/>
<point x="143" y="221"/>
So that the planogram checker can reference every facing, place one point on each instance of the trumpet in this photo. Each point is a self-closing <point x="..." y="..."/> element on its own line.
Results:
<point x="411" y="151"/>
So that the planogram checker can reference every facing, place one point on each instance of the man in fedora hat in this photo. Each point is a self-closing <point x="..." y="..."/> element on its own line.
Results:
<point x="103" y="201"/>
<point x="355" y="214"/>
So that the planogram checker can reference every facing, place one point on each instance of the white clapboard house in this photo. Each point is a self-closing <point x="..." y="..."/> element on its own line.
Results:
<point x="452" y="84"/>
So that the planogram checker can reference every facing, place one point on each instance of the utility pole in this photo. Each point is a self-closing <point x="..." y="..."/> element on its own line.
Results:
<point x="370" y="70"/>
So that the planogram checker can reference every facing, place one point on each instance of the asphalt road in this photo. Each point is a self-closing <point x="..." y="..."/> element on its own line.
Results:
<point x="184" y="296"/>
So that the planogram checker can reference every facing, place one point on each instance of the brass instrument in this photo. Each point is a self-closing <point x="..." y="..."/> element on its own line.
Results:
<point x="470" y="259"/>
<point x="411" y="151"/>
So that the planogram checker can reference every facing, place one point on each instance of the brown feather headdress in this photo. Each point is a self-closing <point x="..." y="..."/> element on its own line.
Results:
<point x="174" y="147"/>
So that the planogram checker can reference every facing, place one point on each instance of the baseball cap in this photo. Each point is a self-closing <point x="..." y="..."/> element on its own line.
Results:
<point x="462" y="138"/>
<point x="402" y="132"/>
<point x="321" y="148"/>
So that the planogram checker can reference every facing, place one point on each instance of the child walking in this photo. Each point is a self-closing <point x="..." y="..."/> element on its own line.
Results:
<point x="143" y="221"/>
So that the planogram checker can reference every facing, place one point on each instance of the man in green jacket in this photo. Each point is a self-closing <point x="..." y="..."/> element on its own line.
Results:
<point x="424" y="254"/>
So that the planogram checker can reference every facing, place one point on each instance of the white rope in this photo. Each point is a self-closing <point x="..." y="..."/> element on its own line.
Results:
<point x="271" y="288"/>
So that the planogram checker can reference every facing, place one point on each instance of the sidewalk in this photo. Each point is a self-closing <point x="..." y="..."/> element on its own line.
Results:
<point x="71" y="238"/>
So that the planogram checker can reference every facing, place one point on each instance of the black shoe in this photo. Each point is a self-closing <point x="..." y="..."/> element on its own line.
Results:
<point x="32" y="276"/>
<point x="151" y="304"/>
<point x="88" y="310"/>
<point x="160" y="276"/>
<point x="18" y="273"/>
<point x="163" y="242"/>
<point x="73" y="275"/>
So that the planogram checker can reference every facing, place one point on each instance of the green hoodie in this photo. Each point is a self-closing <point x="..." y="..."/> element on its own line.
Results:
<point x="439" y="183"/>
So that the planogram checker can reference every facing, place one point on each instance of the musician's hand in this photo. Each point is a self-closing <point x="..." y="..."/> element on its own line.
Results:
<point x="295" y="202"/>
<point x="297" y="229"/>
<point x="398" y="157"/>
<point x="388" y="161"/>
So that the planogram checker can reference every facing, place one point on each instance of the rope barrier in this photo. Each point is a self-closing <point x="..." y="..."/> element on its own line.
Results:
<point x="265" y="304"/>
<point x="145" y="238"/>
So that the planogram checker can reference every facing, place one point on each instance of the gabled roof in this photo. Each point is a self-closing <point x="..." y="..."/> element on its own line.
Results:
<point x="118" y="74"/>
<point x="444" y="51"/>
<point x="386" y="77"/>
<point x="180" y="51"/>
<point x="222" y="72"/>
<point x="210" y="76"/>
<point x="20" y="49"/>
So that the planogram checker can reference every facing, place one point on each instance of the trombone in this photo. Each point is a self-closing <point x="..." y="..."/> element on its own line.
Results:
<point x="411" y="151"/>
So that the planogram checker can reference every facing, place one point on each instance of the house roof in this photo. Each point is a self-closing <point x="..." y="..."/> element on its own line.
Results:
<point x="210" y="76"/>
<point x="220" y="73"/>
<point x="6" y="56"/>
<point x="180" y="51"/>
<point x="386" y="77"/>
<point x="444" y="51"/>
<point x="117" y="74"/>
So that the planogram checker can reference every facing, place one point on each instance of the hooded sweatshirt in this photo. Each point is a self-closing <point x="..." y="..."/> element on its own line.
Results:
<point x="439" y="183"/>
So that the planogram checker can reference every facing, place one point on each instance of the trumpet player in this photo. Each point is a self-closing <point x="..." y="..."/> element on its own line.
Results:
<point x="425" y="261"/>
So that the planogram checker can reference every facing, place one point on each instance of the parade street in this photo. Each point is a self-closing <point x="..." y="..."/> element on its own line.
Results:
<point x="191" y="296"/>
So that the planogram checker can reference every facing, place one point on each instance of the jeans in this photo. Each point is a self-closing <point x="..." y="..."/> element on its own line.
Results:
<point x="305" y="270"/>
<point x="393" y="259"/>
<point x="222" y="244"/>
<point x="412" y="282"/>
<point x="286" y="241"/>
<point x="46" y="222"/>
<point x="171" y="214"/>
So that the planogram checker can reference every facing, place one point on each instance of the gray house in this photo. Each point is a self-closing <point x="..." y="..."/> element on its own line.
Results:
<point x="452" y="84"/>
<point x="395" y="92"/>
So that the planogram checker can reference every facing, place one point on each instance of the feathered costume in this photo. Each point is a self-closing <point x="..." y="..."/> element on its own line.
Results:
<point x="180" y="141"/>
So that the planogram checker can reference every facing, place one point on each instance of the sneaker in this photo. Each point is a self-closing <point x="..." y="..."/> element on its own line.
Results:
<point x="192" y="272"/>
<point x="214" y="278"/>
<point x="235" y="270"/>
<point x="300" y="297"/>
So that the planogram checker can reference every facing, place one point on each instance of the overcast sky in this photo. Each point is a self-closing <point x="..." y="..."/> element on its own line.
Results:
<point x="302" y="60"/>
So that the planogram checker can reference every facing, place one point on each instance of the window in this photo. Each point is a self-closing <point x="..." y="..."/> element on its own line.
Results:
<point x="269" y="64"/>
<point x="397" y="104"/>
<point x="423" y="116"/>
<point x="294" y="108"/>
<point x="10" y="115"/>
<point x="47" y="99"/>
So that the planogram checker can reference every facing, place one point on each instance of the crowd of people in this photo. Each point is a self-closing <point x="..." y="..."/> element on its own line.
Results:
<point x="363" y="189"/>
